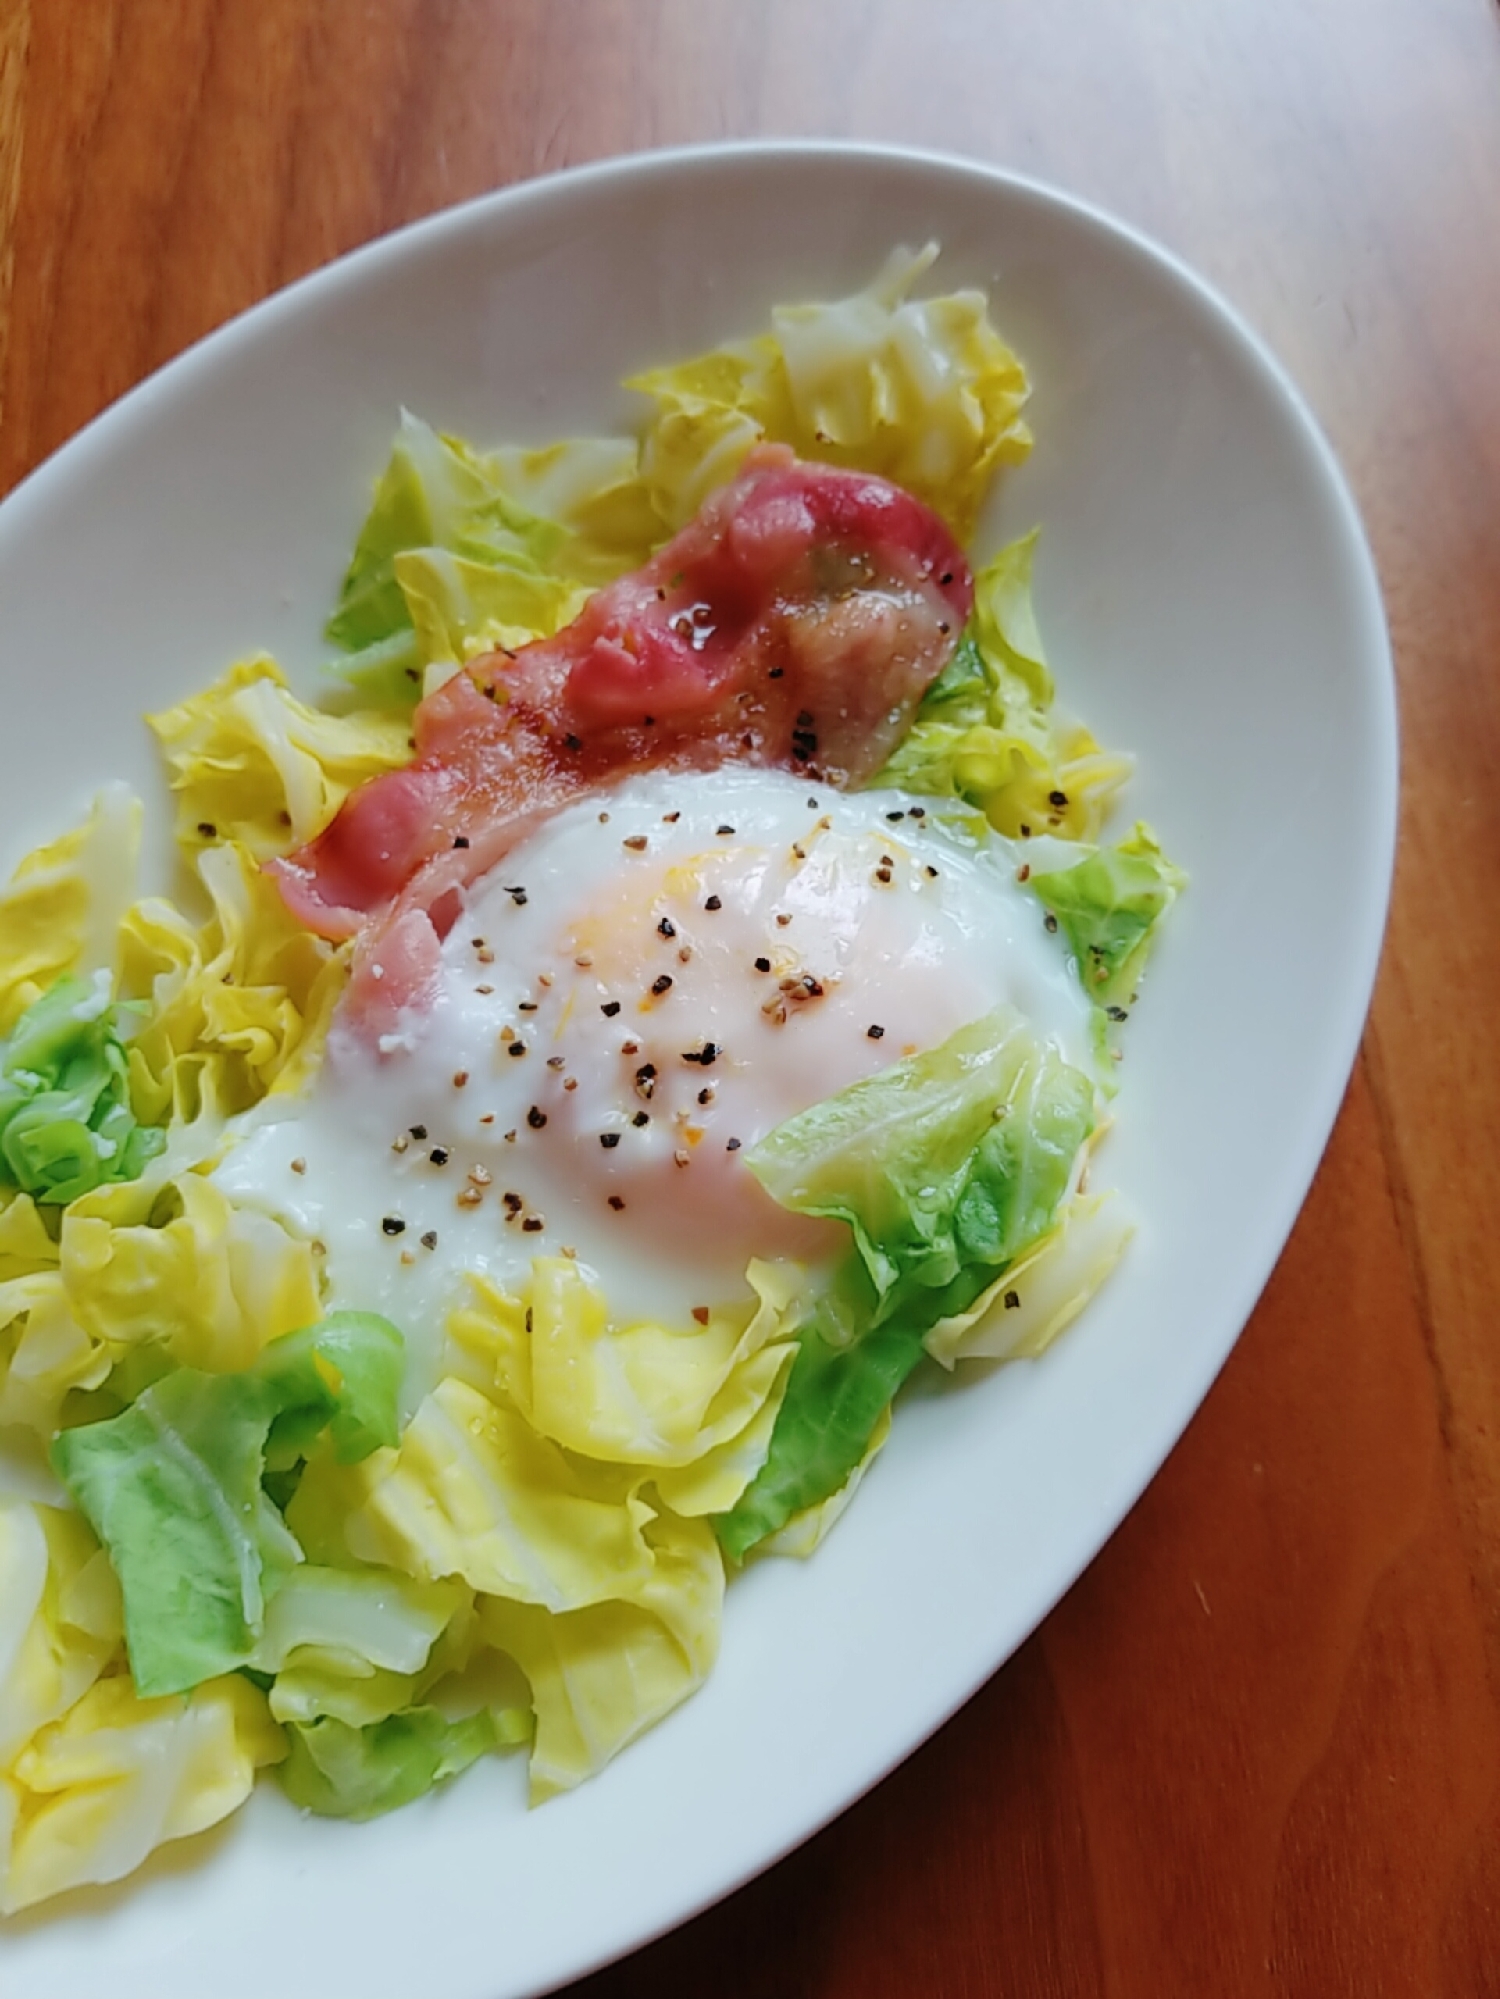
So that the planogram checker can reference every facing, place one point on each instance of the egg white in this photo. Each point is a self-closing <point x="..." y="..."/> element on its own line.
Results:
<point x="558" y="1096"/>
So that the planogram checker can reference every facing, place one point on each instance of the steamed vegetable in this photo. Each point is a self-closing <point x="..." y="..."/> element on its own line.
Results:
<point x="443" y="532"/>
<point x="249" y="762"/>
<point x="1043" y="1291"/>
<point x="96" y="1791"/>
<point x="945" y="1167"/>
<point x="178" y="1272"/>
<point x="989" y="732"/>
<point x="92" y="1777"/>
<point x="603" y="1674"/>
<point x="1109" y="906"/>
<point x="606" y="1599"/>
<point x="61" y="908"/>
<point x="691" y="1409"/>
<point x="357" y="1773"/>
<point x="922" y="391"/>
<point x="59" y="1617"/>
<point x="361" y="1620"/>
<point x="66" y="1122"/>
<point x="173" y="1487"/>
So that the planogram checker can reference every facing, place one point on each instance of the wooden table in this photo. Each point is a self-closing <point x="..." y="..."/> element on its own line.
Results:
<point x="1257" y="1748"/>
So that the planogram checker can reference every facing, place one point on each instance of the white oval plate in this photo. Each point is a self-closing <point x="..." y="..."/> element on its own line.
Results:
<point x="1208" y="601"/>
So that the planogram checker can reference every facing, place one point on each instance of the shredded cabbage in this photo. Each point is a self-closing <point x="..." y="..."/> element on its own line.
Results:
<point x="588" y="1556"/>
<point x="372" y="1619"/>
<point x="357" y="1773"/>
<point x="92" y="1778"/>
<point x="601" y="1594"/>
<point x="239" y="1007"/>
<point x="1042" y="1292"/>
<point x="183" y="1269"/>
<point x="805" y="1531"/>
<point x="449" y="561"/>
<point x="60" y="1618"/>
<point x="154" y="1273"/>
<point x="45" y="1354"/>
<point x="603" y="1674"/>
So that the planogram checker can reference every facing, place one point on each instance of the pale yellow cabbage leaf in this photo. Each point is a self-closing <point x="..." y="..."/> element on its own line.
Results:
<point x="461" y="1676"/>
<point x="240" y="1005"/>
<point x="44" y="1351"/>
<point x="920" y="391"/>
<point x="364" y="1671"/>
<point x="360" y="1644"/>
<point x="1016" y="779"/>
<point x="250" y="762"/>
<point x="607" y="1601"/>
<point x="212" y="1286"/>
<point x="237" y="1006"/>
<point x="367" y="1618"/>
<point x="461" y="608"/>
<point x="1043" y="1291"/>
<point x="994" y="735"/>
<point x="601" y="1676"/>
<point x="712" y="1483"/>
<point x="25" y="1244"/>
<point x="473" y="1491"/>
<point x="591" y="486"/>
<point x="58" y="912"/>
<point x="646" y="1393"/>
<point x="95" y="1792"/>
<point x="60" y="1618"/>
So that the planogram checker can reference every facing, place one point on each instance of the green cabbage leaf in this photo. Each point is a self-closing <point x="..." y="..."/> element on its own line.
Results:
<point x="344" y="1772"/>
<point x="173" y="1487"/>
<point x="66" y="1123"/>
<point x="1109" y="907"/>
<point x="945" y="1167"/>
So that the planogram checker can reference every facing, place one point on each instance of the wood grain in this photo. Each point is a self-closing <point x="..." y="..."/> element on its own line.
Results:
<point x="15" y="43"/>
<point x="1257" y="1748"/>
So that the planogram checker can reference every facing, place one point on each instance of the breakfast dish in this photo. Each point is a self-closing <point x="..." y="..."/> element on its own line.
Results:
<point x="671" y="996"/>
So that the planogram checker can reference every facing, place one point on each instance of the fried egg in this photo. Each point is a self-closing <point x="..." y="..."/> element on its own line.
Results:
<point x="645" y="988"/>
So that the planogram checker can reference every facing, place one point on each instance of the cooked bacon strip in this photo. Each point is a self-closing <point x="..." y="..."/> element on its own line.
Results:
<point x="796" y="622"/>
